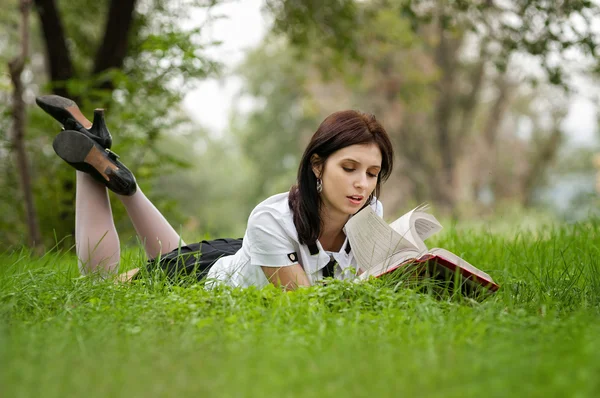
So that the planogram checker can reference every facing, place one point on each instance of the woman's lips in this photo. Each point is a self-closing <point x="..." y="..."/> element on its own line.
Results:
<point x="355" y="200"/>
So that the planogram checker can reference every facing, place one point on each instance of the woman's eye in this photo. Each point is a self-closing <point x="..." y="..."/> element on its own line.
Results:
<point x="372" y="175"/>
<point x="348" y="169"/>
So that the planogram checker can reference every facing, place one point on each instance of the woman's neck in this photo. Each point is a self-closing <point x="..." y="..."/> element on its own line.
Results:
<point x="332" y="234"/>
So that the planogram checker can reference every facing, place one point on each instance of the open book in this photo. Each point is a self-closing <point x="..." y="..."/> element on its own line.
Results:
<point x="380" y="248"/>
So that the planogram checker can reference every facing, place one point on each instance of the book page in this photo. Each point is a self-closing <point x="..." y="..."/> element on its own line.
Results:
<point x="403" y="226"/>
<point x="372" y="240"/>
<point x="416" y="226"/>
<point x="426" y="225"/>
<point x="391" y="262"/>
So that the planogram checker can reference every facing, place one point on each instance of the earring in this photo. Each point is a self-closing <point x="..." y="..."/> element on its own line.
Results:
<point x="319" y="185"/>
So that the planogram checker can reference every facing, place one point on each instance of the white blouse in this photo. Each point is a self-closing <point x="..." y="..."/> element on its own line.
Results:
<point x="271" y="240"/>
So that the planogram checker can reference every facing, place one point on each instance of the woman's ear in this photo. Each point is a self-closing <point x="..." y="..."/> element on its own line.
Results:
<point x="316" y="164"/>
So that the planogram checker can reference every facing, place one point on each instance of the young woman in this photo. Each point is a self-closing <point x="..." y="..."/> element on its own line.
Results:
<point x="292" y="239"/>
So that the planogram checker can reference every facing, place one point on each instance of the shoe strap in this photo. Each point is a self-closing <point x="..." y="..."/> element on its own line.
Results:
<point x="111" y="154"/>
<point x="72" y="124"/>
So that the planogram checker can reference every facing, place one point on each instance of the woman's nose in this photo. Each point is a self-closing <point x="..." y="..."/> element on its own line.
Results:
<point x="361" y="182"/>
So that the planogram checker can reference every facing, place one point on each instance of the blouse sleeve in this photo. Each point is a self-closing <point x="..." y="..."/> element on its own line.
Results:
<point x="377" y="207"/>
<point x="270" y="245"/>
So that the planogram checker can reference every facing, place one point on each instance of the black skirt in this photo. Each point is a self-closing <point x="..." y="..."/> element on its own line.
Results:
<point x="194" y="260"/>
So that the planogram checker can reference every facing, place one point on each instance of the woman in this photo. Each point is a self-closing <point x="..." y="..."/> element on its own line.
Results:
<point x="292" y="239"/>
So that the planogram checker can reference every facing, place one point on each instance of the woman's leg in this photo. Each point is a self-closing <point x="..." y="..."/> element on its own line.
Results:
<point x="155" y="232"/>
<point x="96" y="239"/>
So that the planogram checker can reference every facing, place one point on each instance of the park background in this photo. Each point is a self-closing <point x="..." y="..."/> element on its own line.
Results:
<point x="492" y="106"/>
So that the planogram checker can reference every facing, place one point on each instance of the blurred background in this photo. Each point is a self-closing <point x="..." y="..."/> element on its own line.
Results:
<point x="491" y="104"/>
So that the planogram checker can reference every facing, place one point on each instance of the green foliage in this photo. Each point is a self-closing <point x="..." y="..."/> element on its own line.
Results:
<point x="539" y="28"/>
<point x="332" y="24"/>
<point x="64" y="335"/>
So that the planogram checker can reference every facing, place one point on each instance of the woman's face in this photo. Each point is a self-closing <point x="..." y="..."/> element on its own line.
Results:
<point x="349" y="177"/>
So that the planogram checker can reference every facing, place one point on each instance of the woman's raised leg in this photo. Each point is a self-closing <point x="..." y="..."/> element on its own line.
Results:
<point x="155" y="232"/>
<point x="86" y="147"/>
<point x="96" y="239"/>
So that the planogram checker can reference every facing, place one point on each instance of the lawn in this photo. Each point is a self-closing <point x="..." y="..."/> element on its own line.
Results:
<point x="62" y="335"/>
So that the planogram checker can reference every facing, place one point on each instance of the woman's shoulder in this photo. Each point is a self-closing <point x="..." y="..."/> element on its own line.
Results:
<point x="272" y="216"/>
<point x="276" y="204"/>
<point x="273" y="210"/>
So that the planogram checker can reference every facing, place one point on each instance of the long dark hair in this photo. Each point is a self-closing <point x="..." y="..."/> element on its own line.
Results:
<point x="337" y="131"/>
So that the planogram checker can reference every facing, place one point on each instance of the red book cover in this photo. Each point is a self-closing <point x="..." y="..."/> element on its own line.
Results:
<point x="440" y="268"/>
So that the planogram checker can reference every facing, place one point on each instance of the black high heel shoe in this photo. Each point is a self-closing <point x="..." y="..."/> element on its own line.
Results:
<point x="67" y="113"/>
<point x="87" y="155"/>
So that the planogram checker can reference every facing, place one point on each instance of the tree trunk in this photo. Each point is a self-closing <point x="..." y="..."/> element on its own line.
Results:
<point x="539" y="166"/>
<point x="446" y="60"/>
<point x="476" y="79"/>
<point x="60" y="66"/>
<point x="486" y="157"/>
<point x="16" y="67"/>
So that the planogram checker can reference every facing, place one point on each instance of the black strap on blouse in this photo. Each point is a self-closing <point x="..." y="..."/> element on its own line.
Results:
<point x="329" y="269"/>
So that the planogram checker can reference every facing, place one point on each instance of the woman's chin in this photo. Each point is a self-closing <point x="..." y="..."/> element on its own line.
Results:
<point x="352" y="210"/>
<point x="347" y="207"/>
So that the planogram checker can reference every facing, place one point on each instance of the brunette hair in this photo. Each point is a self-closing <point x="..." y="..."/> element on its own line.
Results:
<point x="337" y="131"/>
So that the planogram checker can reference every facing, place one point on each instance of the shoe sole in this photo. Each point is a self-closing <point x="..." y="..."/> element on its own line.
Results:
<point x="83" y="154"/>
<point x="62" y="109"/>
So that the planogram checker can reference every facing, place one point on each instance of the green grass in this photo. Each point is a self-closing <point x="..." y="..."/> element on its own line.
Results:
<point x="62" y="335"/>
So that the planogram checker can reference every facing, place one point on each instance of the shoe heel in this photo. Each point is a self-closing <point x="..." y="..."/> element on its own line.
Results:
<point x="100" y="130"/>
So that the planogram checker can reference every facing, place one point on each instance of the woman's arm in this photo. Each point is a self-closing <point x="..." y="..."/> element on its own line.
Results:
<point x="290" y="277"/>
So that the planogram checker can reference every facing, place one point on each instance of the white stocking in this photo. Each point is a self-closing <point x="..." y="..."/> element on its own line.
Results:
<point x="96" y="240"/>
<point x="155" y="232"/>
